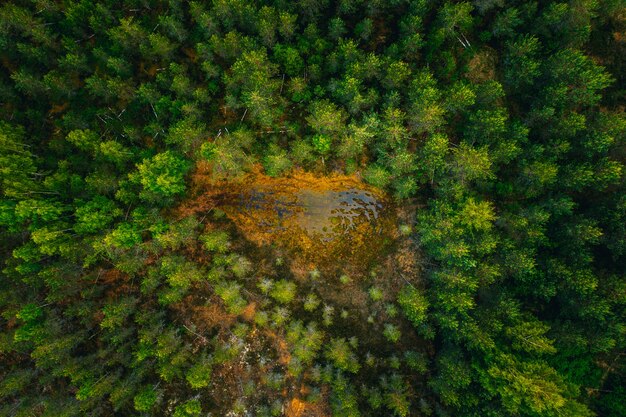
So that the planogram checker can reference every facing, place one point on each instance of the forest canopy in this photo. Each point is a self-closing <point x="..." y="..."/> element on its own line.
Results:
<point x="477" y="145"/>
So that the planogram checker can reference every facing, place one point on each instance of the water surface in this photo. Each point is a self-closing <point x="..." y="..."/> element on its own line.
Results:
<point x="323" y="214"/>
<point x="330" y="216"/>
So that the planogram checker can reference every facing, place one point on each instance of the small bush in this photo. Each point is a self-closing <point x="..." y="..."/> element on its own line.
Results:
<point x="216" y="241"/>
<point x="414" y="304"/>
<point x="391" y="333"/>
<point x="311" y="302"/>
<point x="376" y="294"/>
<point x="283" y="291"/>
<point x="145" y="399"/>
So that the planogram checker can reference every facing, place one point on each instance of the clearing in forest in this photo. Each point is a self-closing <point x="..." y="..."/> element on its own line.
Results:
<point x="314" y="219"/>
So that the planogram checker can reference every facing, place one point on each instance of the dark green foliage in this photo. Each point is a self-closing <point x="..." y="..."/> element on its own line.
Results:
<point x="500" y="122"/>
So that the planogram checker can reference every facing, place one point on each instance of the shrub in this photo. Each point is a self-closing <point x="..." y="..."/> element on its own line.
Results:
<point x="340" y="353"/>
<point x="145" y="399"/>
<point x="218" y="241"/>
<point x="311" y="302"/>
<point x="392" y="333"/>
<point x="283" y="291"/>
<point x="230" y="294"/>
<point x="414" y="304"/>
<point x="199" y="375"/>
<point x="191" y="408"/>
<point x="375" y="293"/>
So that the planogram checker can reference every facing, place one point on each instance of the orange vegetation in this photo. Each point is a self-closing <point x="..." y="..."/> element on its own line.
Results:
<point x="295" y="408"/>
<point x="316" y="218"/>
<point x="209" y="317"/>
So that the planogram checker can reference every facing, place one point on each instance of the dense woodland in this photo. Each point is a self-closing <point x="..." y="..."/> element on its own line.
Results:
<point x="501" y="122"/>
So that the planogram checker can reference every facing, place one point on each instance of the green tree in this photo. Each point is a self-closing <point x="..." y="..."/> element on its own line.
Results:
<point x="251" y="85"/>
<point x="392" y="333"/>
<point x="283" y="291"/>
<point x="521" y="64"/>
<point x="325" y="118"/>
<point x="343" y="400"/>
<point x="96" y="215"/>
<point x="199" y="375"/>
<point x="396" y="396"/>
<point x="191" y="408"/>
<point x="529" y="387"/>
<point x="230" y="293"/>
<point x="162" y="176"/>
<point x="340" y="353"/>
<point x="427" y="111"/>
<point x="145" y="399"/>
<point x="414" y="304"/>
<point x="229" y="153"/>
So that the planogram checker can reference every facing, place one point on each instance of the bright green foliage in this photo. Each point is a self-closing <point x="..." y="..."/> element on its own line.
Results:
<point x="29" y="313"/>
<point x="377" y="175"/>
<point x="191" y="408"/>
<point x="177" y="235"/>
<point x="432" y="161"/>
<point x="186" y="133"/>
<point x="145" y="399"/>
<point x="228" y="153"/>
<point x="413" y="304"/>
<point x="199" y="375"/>
<point x="265" y="285"/>
<point x="251" y="85"/>
<point x="472" y="163"/>
<point x="179" y="271"/>
<point x="392" y="333"/>
<point x="283" y="291"/>
<point x="85" y="140"/>
<point x="17" y="163"/>
<point x="96" y="215"/>
<point x="326" y="118"/>
<point x="322" y="143"/>
<point x="240" y="266"/>
<point x="32" y="328"/>
<point x="339" y="352"/>
<point x="113" y="151"/>
<point x="460" y="96"/>
<point x="304" y="342"/>
<point x="218" y="241"/>
<point x="311" y="302"/>
<point x="276" y="162"/>
<point x="162" y="176"/>
<point x="426" y="112"/>
<point x="477" y="216"/>
<point x="343" y="400"/>
<point x="530" y="336"/>
<point x="125" y="236"/>
<point x="376" y="294"/>
<point x="116" y="313"/>
<point x="527" y="387"/>
<point x="231" y="295"/>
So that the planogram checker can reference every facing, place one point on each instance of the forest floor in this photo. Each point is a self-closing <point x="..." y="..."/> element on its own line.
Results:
<point x="333" y="236"/>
